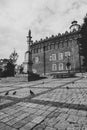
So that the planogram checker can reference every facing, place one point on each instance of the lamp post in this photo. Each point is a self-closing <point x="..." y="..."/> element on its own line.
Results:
<point x="79" y="49"/>
<point x="68" y="65"/>
<point x="44" y="60"/>
<point x="29" y="67"/>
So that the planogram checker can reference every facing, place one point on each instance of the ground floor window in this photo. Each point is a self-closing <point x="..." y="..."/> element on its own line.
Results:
<point x="68" y="68"/>
<point x="60" y="66"/>
<point x="54" y="67"/>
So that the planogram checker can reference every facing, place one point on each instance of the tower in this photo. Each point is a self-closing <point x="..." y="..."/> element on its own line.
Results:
<point x="29" y="42"/>
<point x="74" y="26"/>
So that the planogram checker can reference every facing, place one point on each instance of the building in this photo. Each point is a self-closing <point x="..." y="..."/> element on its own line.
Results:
<point x="54" y="54"/>
<point x="3" y="64"/>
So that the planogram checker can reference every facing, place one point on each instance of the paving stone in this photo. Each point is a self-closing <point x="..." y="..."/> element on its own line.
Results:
<point x="18" y="113"/>
<point x="39" y="127"/>
<point x="2" y="125"/>
<point x="3" y="116"/>
<point x="81" y="120"/>
<point x="51" y="108"/>
<point x="7" y="118"/>
<point x="49" y="128"/>
<point x="51" y="122"/>
<point x="32" y="105"/>
<point x="82" y="113"/>
<point x="28" y="119"/>
<point x="1" y="113"/>
<point x="6" y="127"/>
<point x="22" y="116"/>
<point x="46" y="113"/>
<point x="61" y="125"/>
<point x="18" y="125"/>
<point x="11" y="122"/>
<point x="52" y="114"/>
<point x="73" y="118"/>
<point x="73" y="112"/>
<point x="28" y="126"/>
<point x="38" y="119"/>
<point x="39" y="112"/>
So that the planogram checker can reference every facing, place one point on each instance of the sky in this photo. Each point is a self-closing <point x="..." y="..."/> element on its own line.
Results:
<point x="43" y="17"/>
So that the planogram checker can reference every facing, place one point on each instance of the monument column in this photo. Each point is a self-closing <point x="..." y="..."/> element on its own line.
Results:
<point x="29" y="67"/>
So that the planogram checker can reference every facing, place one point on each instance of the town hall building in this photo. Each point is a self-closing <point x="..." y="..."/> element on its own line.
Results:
<point x="54" y="54"/>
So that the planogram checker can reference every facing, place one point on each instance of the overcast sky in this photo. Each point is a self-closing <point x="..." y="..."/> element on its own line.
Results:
<point x="43" y="17"/>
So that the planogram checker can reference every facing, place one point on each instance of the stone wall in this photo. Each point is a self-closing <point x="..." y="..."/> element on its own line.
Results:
<point x="57" y="50"/>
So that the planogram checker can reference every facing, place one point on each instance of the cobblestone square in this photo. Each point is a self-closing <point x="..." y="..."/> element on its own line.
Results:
<point x="53" y="107"/>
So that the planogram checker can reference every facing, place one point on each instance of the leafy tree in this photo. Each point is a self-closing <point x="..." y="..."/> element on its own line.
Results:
<point x="13" y="57"/>
<point x="83" y="42"/>
<point x="9" y="69"/>
<point x="12" y="62"/>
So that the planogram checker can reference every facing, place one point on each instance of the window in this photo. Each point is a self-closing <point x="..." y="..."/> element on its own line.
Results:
<point x="52" y="46"/>
<point x="53" y="57"/>
<point x="36" y="59"/>
<point x="60" y="56"/>
<point x="67" y="53"/>
<point x="68" y="68"/>
<point x="26" y="57"/>
<point x="41" y="49"/>
<point x="50" y="59"/>
<point x="48" y="47"/>
<point x="60" y="45"/>
<point x="61" y="66"/>
<point x="54" y="67"/>
<point x="56" y="46"/>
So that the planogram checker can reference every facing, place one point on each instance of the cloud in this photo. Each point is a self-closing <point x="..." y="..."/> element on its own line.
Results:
<point x="43" y="17"/>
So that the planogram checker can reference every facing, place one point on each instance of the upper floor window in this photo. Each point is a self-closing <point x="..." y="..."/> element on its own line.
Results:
<point x="36" y="59"/>
<point x="50" y="59"/>
<point x="53" y="57"/>
<point x="60" y="56"/>
<point x="41" y="50"/>
<point x="67" y="53"/>
<point x="48" y="47"/>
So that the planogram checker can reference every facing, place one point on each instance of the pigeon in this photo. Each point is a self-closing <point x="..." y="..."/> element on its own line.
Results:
<point x="31" y="92"/>
<point x="73" y="82"/>
<point x="7" y="93"/>
<point x="14" y="92"/>
<point x="67" y="87"/>
<point x="42" y="82"/>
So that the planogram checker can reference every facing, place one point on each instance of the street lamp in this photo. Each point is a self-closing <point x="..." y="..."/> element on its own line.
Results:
<point x="44" y="59"/>
<point x="79" y="51"/>
<point x="29" y="41"/>
<point x="68" y="65"/>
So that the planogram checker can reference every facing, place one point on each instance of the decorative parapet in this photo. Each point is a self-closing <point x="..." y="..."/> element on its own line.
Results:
<point x="61" y="35"/>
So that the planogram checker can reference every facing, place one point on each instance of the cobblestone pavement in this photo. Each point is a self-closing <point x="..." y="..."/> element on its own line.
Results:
<point x="58" y="104"/>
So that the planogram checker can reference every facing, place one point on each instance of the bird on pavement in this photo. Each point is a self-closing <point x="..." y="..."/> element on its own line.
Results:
<point x="67" y="87"/>
<point x="73" y="82"/>
<point x="14" y="92"/>
<point x="7" y="93"/>
<point x="43" y="82"/>
<point x="32" y="93"/>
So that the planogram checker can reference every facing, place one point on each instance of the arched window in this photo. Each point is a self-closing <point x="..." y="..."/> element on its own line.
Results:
<point x="60" y="66"/>
<point x="54" y="67"/>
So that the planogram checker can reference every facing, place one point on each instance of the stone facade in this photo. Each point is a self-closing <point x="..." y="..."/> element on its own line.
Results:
<point x="51" y="55"/>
